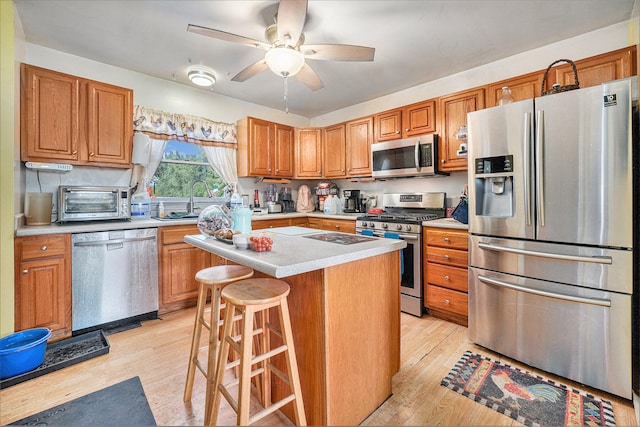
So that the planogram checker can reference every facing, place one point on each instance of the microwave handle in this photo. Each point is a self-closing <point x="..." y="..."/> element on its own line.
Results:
<point x="417" y="155"/>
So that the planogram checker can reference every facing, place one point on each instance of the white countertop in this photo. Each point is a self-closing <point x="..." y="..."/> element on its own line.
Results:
<point x="445" y="223"/>
<point x="293" y="253"/>
<point x="95" y="226"/>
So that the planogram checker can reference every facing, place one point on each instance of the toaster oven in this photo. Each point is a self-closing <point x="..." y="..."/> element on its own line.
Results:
<point x="83" y="203"/>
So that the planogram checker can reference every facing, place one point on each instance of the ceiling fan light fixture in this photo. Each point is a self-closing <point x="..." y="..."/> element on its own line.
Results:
<point x="201" y="77"/>
<point x="284" y="61"/>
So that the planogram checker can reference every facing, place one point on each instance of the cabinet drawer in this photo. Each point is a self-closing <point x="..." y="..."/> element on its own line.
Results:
<point x="42" y="246"/>
<point x="270" y="223"/>
<point x="339" y="225"/>
<point x="448" y="277"/>
<point x="445" y="256"/>
<point x="447" y="238"/>
<point x="443" y="299"/>
<point x="175" y="234"/>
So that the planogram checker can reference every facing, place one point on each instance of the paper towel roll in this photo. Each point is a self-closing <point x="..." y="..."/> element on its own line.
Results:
<point x="141" y="149"/>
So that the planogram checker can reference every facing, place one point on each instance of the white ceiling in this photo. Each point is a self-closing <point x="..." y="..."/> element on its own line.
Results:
<point x="416" y="41"/>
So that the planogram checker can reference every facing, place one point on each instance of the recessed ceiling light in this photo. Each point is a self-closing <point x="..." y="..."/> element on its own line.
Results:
<point x="201" y="77"/>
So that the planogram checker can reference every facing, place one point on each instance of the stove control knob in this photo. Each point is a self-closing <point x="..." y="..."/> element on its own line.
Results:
<point x="385" y="225"/>
<point x="399" y="227"/>
<point x="408" y="228"/>
<point x="372" y="225"/>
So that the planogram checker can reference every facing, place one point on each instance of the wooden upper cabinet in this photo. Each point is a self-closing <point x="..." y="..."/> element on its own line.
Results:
<point x="359" y="137"/>
<point x="334" y="151"/>
<point x="73" y="120"/>
<point x="452" y="112"/>
<point x="283" y="151"/>
<point x="418" y="119"/>
<point x="411" y="120"/>
<point x="598" y="69"/>
<point x="110" y="130"/>
<point x="308" y="143"/>
<point x="264" y="148"/>
<point x="50" y="120"/>
<point x="522" y="87"/>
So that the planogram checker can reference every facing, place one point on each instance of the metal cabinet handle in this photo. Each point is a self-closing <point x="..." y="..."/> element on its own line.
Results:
<point x="446" y="277"/>
<point x="446" y="239"/>
<point x="442" y="161"/>
<point x="447" y="302"/>
<point x="406" y="130"/>
<point x="92" y="154"/>
<point x="25" y="271"/>
<point x="74" y="152"/>
<point x="43" y="248"/>
<point x="446" y="257"/>
<point x="337" y="227"/>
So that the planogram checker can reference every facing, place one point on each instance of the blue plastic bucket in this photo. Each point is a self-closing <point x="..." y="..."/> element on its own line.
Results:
<point x="23" y="351"/>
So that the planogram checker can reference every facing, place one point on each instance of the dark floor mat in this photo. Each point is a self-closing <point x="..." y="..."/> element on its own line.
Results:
<point x="122" y="404"/>
<point x="65" y="353"/>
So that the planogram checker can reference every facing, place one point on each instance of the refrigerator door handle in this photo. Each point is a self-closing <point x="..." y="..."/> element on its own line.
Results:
<point x="581" y="300"/>
<point x="540" y="166"/>
<point x="561" y="257"/>
<point x="527" y="166"/>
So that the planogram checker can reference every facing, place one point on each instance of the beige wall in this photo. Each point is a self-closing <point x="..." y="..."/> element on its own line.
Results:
<point x="8" y="133"/>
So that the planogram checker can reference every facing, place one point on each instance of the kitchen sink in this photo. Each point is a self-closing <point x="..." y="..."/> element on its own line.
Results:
<point x="177" y="215"/>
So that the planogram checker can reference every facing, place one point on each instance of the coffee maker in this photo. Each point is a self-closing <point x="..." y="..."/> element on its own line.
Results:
<point x="351" y="201"/>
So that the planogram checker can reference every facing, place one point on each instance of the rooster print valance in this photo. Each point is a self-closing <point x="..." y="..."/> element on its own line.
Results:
<point x="162" y="125"/>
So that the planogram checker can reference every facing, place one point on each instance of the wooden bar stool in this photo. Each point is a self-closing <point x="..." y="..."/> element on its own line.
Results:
<point x="250" y="297"/>
<point x="212" y="279"/>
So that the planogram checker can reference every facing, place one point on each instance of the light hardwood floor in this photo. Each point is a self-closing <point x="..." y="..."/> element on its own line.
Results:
<point x="158" y="353"/>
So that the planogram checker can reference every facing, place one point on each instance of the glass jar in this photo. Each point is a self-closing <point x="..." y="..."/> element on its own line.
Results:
<point x="213" y="218"/>
<point x="505" y="96"/>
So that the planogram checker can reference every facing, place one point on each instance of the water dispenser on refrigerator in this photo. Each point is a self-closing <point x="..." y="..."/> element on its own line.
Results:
<point x="494" y="186"/>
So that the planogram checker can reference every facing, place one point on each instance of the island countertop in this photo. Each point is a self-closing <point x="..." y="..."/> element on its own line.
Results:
<point x="295" y="252"/>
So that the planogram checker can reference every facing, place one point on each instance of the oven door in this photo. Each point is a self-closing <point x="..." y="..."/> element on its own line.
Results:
<point x="411" y="299"/>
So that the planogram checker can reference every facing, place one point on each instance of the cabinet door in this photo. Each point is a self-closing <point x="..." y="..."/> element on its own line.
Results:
<point x="452" y="110"/>
<point x="359" y="140"/>
<point x="43" y="295"/>
<point x="283" y="149"/>
<point x="110" y="124"/>
<point x="334" y="153"/>
<point x="50" y="105"/>
<point x="260" y="146"/>
<point x="178" y="264"/>
<point x="418" y="119"/>
<point x="388" y="125"/>
<point x="598" y="69"/>
<point x="309" y="153"/>
<point x="523" y="87"/>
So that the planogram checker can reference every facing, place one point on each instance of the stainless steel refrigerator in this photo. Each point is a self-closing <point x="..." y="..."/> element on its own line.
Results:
<point x="551" y="211"/>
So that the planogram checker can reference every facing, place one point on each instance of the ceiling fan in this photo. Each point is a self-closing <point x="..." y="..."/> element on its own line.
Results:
<point x="286" y="51"/>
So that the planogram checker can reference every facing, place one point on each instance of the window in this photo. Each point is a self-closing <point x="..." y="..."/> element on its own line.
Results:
<point x="183" y="163"/>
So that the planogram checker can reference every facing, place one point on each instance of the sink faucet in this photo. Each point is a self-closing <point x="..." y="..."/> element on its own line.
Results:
<point x="190" y="206"/>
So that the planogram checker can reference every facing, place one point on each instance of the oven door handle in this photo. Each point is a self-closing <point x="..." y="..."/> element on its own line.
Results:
<point x="402" y="236"/>
<point x="592" y="301"/>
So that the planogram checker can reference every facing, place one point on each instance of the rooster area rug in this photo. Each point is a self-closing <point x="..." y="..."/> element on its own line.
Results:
<point x="527" y="398"/>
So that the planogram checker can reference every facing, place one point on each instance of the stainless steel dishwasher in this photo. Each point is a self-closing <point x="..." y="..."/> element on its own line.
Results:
<point x="114" y="277"/>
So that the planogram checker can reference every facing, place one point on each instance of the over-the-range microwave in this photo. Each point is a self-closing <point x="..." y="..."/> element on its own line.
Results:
<point x="84" y="203"/>
<point x="410" y="157"/>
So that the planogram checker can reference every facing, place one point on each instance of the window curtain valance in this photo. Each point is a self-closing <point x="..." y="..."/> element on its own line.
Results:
<point x="198" y="130"/>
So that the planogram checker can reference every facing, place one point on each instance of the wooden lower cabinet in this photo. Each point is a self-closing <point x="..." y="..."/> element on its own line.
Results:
<point x="43" y="283"/>
<point x="342" y="225"/>
<point x="445" y="282"/>
<point x="178" y="264"/>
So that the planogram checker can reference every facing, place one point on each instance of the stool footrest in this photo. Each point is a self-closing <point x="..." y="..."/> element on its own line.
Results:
<point x="272" y="328"/>
<point x="279" y="373"/>
<point x="274" y="407"/>
<point x="269" y="354"/>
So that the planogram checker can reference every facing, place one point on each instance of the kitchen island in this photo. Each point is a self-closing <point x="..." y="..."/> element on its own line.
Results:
<point x="345" y="314"/>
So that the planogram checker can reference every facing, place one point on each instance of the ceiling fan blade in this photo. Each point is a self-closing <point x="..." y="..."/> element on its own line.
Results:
<point x="250" y="71"/>
<point x="309" y="77"/>
<point x="338" y="52"/>
<point x="222" y="35"/>
<point x="291" y="17"/>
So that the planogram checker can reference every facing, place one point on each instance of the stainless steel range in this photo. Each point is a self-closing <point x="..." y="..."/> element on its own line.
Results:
<point x="402" y="219"/>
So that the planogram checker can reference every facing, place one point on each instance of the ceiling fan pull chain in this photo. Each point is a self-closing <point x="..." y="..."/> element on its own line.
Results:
<point x="286" y="92"/>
